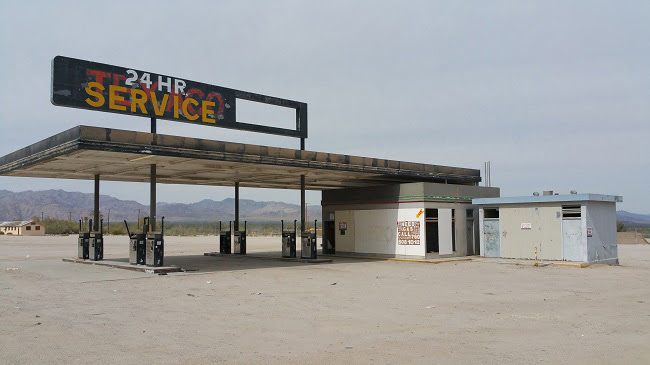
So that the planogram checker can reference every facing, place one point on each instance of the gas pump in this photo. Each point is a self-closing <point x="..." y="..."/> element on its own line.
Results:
<point x="96" y="242"/>
<point x="308" y="247"/>
<point x="138" y="244"/>
<point x="84" y="237"/>
<point x="289" y="241"/>
<point x="224" y="239"/>
<point x="155" y="245"/>
<point x="240" y="241"/>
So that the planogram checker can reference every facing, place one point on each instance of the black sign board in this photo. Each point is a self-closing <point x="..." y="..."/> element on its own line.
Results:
<point x="97" y="86"/>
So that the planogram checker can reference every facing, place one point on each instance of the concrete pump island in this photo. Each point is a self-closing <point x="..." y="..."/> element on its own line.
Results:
<point x="416" y="262"/>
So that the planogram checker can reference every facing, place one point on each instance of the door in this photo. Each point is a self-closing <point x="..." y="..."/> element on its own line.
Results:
<point x="491" y="238"/>
<point x="572" y="245"/>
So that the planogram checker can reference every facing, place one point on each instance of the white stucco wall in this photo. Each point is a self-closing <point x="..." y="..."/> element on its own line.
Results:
<point x="344" y="242"/>
<point x="411" y="214"/>
<point x="375" y="231"/>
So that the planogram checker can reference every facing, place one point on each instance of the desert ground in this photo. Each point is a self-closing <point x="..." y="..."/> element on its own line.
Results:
<point x="251" y="310"/>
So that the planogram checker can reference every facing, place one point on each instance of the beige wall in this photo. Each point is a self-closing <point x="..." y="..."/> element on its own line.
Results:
<point x="33" y="231"/>
<point x="375" y="231"/>
<point x="545" y="232"/>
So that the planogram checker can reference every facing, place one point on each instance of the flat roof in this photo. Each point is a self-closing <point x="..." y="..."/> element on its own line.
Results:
<point x="120" y="155"/>
<point x="548" y="199"/>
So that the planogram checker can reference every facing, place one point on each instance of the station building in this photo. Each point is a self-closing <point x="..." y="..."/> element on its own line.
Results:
<point x="419" y="220"/>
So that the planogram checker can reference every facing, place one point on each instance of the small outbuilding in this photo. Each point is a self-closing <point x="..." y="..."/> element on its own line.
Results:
<point x="571" y="227"/>
<point x="22" y="228"/>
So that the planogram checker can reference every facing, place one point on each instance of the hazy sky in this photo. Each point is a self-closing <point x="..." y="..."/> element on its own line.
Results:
<point x="556" y="94"/>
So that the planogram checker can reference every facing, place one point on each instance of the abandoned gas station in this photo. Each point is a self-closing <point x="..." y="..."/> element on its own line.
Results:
<point x="370" y="206"/>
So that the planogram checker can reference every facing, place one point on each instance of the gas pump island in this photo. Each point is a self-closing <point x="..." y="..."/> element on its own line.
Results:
<point x="99" y="153"/>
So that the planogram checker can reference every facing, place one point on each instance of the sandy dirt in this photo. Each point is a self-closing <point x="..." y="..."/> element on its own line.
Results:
<point x="247" y="310"/>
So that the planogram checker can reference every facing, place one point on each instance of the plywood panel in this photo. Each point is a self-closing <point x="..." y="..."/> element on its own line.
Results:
<point x="491" y="237"/>
<point x="444" y="232"/>
<point x="573" y="245"/>
<point x="545" y="232"/>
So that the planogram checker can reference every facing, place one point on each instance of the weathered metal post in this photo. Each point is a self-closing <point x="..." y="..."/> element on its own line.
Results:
<point x="302" y="188"/>
<point x="152" y="185"/>
<point x="96" y="207"/>
<point x="302" y="203"/>
<point x="236" y="205"/>
<point x="152" y="197"/>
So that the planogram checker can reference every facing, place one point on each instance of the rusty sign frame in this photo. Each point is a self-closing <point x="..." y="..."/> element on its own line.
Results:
<point x="96" y="86"/>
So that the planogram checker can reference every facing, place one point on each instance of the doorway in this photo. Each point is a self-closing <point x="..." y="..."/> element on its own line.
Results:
<point x="329" y="237"/>
<point x="431" y="229"/>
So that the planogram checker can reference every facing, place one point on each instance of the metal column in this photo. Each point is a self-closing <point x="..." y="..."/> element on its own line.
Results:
<point x="302" y="203"/>
<point x="236" y="205"/>
<point x="302" y="187"/>
<point x="152" y="185"/>
<point x="152" y="197"/>
<point x="96" y="207"/>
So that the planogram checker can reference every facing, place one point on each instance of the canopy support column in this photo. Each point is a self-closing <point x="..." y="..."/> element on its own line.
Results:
<point x="236" y="205"/>
<point x="96" y="206"/>
<point x="302" y="190"/>
<point x="302" y="203"/>
<point x="152" y="196"/>
<point x="152" y="184"/>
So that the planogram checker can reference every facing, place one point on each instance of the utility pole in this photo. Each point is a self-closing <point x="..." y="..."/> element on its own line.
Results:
<point x="108" y="225"/>
<point x="70" y="216"/>
<point x="42" y="218"/>
<point x="138" y="218"/>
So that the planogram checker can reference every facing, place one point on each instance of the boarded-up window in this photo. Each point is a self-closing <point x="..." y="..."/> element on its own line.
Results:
<point x="491" y="213"/>
<point x="571" y="211"/>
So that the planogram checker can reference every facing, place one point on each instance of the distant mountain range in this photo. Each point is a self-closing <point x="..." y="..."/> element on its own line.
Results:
<point x="632" y="218"/>
<point x="60" y="204"/>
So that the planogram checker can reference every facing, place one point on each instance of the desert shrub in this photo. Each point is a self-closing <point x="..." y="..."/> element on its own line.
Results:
<point x="63" y="227"/>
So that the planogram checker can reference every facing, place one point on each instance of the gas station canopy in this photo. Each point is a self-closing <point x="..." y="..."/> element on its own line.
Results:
<point x="120" y="155"/>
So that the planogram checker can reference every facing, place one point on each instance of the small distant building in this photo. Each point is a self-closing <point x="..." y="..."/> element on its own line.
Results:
<point x="22" y="228"/>
<point x="571" y="227"/>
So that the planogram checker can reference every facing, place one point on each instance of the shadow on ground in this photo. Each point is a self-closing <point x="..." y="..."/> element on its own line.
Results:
<point x="232" y="262"/>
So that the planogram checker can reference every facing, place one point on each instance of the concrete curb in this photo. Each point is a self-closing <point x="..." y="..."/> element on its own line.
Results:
<point x="127" y="266"/>
<point x="253" y="256"/>
<point x="440" y="261"/>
